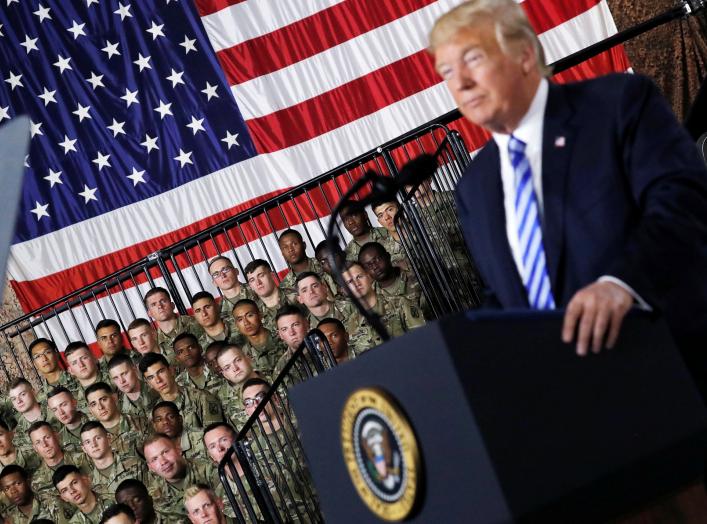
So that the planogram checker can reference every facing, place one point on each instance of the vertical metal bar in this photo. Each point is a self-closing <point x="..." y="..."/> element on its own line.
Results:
<point x="127" y="301"/>
<point x="112" y="303"/>
<point x="193" y="270"/>
<point x="61" y="325"/>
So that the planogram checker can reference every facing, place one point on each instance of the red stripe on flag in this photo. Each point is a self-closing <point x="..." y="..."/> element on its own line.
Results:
<point x="612" y="61"/>
<point x="544" y="15"/>
<point x="207" y="7"/>
<point x="310" y="36"/>
<point x="344" y="104"/>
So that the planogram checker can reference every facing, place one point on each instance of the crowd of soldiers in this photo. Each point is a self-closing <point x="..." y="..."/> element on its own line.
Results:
<point x="135" y="435"/>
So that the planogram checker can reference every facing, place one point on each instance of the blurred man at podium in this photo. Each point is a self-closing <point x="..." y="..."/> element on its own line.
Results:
<point x="589" y="196"/>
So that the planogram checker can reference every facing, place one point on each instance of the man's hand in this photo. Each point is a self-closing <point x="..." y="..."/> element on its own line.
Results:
<point x="595" y="312"/>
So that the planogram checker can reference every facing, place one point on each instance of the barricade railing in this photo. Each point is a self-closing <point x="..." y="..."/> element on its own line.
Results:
<point x="265" y="474"/>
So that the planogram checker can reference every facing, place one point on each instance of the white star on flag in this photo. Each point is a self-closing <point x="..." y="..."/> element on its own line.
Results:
<point x="47" y="97"/>
<point x="4" y="113"/>
<point x="88" y="194"/>
<point x="26" y="162"/>
<point x="137" y="176"/>
<point x="183" y="158"/>
<point x="89" y="2"/>
<point x="155" y="30"/>
<point x="30" y="44"/>
<point x="68" y="144"/>
<point x="18" y="1"/>
<point x="34" y="129"/>
<point x="76" y="29"/>
<point x="95" y="80"/>
<point x="42" y="13"/>
<point x="163" y="109"/>
<point x="111" y="49"/>
<point x="143" y="62"/>
<point x="196" y="125"/>
<point x="130" y="97"/>
<point x="40" y="210"/>
<point x="231" y="140"/>
<point x="123" y="11"/>
<point x="82" y="112"/>
<point x="14" y="80"/>
<point x="116" y="127"/>
<point x="101" y="160"/>
<point x="210" y="91"/>
<point x="62" y="63"/>
<point x="175" y="78"/>
<point x="54" y="177"/>
<point x="150" y="143"/>
<point x="188" y="45"/>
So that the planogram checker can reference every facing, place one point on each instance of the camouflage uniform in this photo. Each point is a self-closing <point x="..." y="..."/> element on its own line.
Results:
<point x="71" y="438"/>
<point x="227" y="304"/>
<point x="28" y="459"/>
<point x="343" y="310"/>
<point x="396" y="251"/>
<point x="21" y="439"/>
<point x="65" y="379"/>
<point x="185" y="324"/>
<point x="192" y="445"/>
<point x="230" y="334"/>
<point x="169" y="498"/>
<point x="288" y="285"/>
<point x="106" y="481"/>
<point x="208" y="381"/>
<point x="376" y="234"/>
<point x="79" y="394"/>
<point x="405" y="285"/>
<point x="102" y="502"/>
<point x="42" y="478"/>
<point x="128" y="434"/>
<point x="398" y="316"/>
<point x="142" y="407"/>
<point x="266" y="356"/>
<point x="198" y="408"/>
<point x="228" y="510"/>
<point x="43" y="507"/>
<point x="231" y="398"/>
<point x="268" y="313"/>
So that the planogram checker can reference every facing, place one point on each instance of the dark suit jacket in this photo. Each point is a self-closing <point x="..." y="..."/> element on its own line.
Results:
<point x="625" y="194"/>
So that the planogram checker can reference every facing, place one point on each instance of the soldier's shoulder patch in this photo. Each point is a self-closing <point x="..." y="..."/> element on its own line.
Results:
<point x="415" y="312"/>
<point x="214" y="408"/>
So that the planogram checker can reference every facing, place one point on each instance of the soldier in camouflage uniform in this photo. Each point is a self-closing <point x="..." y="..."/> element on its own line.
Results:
<point x="84" y="367"/>
<point x="108" y="469"/>
<point x="292" y="327"/>
<point x="385" y="212"/>
<point x="311" y="293"/>
<point x="196" y="373"/>
<point x="356" y="222"/>
<point x="293" y="249"/>
<point x="198" y="408"/>
<point x="25" y="505"/>
<point x="269" y="298"/>
<point x="134" y="396"/>
<point x="237" y="367"/>
<point x="45" y="357"/>
<point x="225" y="277"/>
<point x="143" y="339"/>
<point x="171" y="474"/>
<point x="74" y="488"/>
<point x="134" y="494"/>
<point x="28" y="411"/>
<point x="261" y="346"/>
<point x="126" y="431"/>
<point x="9" y="454"/>
<point x="206" y="312"/>
<point x="204" y="507"/>
<point x="397" y="314"/>
<point x="160" y="307"/>
<point x="338" y="338"/>
<point x="110" y="341"/>
<point x="167" y="420"/>
<point x="63" y="405"/>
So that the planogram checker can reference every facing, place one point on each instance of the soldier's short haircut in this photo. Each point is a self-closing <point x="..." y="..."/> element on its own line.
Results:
<point x="215" y="425"/>
<point x="12" y="469"/>
<point x="228" y="347"/>
<point x="97" y="386"/>
<point x="46" y="341"/>
<point x="92" y="424"/>
<point x="306" y="274"/>
<point x="139" y="322"/>
<point x="154" y="291"/>
<point x="117" y="509"/>
<point x="256" y="382"/>
<point x="64" y="471"/>
<point x="351" y="263"/>
<point x="75" y="346"/>
<point x="150" y="359"/>
<point x="133" y="484"/>
<point x="292" y="232"/>
<point x="58" y="390"/>
<point x="19" y="381"/>
<point x="324" y="245"/>
<point x="289" y="309"/>
<point x="107" y="322"/>
<point x="195" y="489"/>
<point x="200" y="296"/>
<point x="184" y="335"/>
<point x="331" y="320"/>
<point x="216" y="345"/>
<point x="39" y="424"/>
<point x="119" y="360"/>
<point x="165" y="404"/>
<point x="216" y="259"/>
<point x="381" y="202"/>
<point x="244" y="301"/>
<point x="373" y="246"/>
<point x="255" y="264"/>
<point x="4" y="425"/>
<point x="156" y="437"/>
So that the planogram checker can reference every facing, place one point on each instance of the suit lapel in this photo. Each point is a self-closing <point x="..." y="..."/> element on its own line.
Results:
<point x="558" y="141"/>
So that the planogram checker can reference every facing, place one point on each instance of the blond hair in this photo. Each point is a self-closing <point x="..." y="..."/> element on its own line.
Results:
<point x="195" y="489"/>
<point x="510" y="23"/>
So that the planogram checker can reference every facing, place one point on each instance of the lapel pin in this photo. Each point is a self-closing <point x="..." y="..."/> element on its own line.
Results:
<point x="560" y="141"/>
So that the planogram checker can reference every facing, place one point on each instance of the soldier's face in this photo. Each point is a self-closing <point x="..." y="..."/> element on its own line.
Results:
<point x="358" y="281"/>
<point x="247" y="319"/>
<point x="338" y="339"/>
<point x="165" y="459"/>
<point x="64" y="407"/>
<point x="235" y="366"/>
<point x="109" y="340"/>
<point x="95" y="443"/>
<point x="45" y="358"/>
<point x="6" y="437"/>
<point x="252" y="397"/>
<point x="160" y="307"/>
<point x="292" y="249"/>
<point x="203" y="509"/>
<point x="218" y="441"/>
<point x="205" y="312"/>
<point x="140" y="502"/>
<point x="160" y="378"/>
<point x="74" y="489"/>
<point x="23" y="398"/>
<point x="210" y="359"/>
<point x="355" y="223"/>
<point x="377" y="264"/>
<point x="103" y="405"/>
<point x="292" y="330"/>
<point x="261" y="281"/>
<point x="166" y="420"/>
<point x="46" y="443"/>
<point x="385" y="213"/>
<point x="82" y="364"/>
<point x="125" y="378"/>
<point x="143" y="339"/>
<point x="224" y="275"/>
<point x="188" y="352"/>
<point x="311" y="292"/>
<point x="16" y="489"/>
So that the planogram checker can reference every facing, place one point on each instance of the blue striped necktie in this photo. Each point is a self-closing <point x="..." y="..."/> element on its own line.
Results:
<point x="530" y="234"/>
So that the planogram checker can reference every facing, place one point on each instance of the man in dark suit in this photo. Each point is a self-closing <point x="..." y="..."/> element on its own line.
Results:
<point x="589" y="196"/>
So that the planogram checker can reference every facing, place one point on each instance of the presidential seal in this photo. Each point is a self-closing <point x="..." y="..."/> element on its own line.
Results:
<point x="381" y="453"/>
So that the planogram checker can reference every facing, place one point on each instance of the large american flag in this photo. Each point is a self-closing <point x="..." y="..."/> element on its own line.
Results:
<point x="154" y="119"/>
